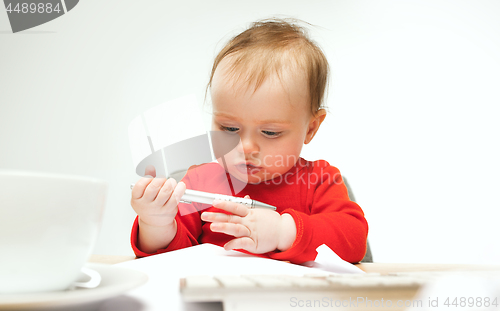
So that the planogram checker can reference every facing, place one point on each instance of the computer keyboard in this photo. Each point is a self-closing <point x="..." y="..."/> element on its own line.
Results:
<point x="198" y="288"/>
<point x="367" y="291"/>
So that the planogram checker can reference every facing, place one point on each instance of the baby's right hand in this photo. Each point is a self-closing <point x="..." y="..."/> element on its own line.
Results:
<point x="155" y="200"/>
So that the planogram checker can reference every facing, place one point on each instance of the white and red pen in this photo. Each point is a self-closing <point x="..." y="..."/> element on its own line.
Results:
<point x="191" y="196"/>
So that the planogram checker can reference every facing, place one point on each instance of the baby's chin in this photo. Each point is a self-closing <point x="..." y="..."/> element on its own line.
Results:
<point x="265" y="175"/>
<point x="245" y="178"/>
<point x="259" y="178"/>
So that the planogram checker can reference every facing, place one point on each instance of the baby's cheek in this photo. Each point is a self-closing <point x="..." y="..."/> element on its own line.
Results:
<point x="285" y="160"/>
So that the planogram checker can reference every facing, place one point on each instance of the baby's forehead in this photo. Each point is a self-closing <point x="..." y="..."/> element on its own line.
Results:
<point x="233" y="74"/>
<point x="285" y="94"/>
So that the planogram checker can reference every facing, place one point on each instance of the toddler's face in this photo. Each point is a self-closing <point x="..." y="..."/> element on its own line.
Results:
<point x="273" y="123"/>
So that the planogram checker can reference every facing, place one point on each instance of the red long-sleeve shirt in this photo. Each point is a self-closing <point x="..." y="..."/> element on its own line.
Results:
<point x="311" y="192"/>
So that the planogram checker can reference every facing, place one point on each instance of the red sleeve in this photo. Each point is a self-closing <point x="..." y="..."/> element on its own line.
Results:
<point x="333" y="220"/>
<point x="188" y="229"/>
<point x="183" y="238"/>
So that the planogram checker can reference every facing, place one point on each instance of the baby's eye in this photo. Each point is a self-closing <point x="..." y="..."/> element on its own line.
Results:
<point x="272" y="134"/>
<point x="229" y="129"/>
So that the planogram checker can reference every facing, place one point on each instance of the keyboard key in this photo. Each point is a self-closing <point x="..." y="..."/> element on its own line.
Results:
<point x="230" y="281"/>
<point x="268" y="281"/>
<point x="307" y="282"/>
<point x="201" y="282"/>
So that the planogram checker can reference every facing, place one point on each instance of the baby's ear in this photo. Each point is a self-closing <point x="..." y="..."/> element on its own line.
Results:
<point x="314" y="124"/>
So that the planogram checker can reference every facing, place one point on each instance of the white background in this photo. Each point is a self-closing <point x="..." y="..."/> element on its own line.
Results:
<point x="413" y="106"/>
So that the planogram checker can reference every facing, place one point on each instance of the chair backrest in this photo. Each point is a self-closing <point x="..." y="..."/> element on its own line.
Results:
<point x="368" y="255"/>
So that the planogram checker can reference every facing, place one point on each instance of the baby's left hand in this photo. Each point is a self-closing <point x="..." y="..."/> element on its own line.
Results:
<point x="256" y="230"/>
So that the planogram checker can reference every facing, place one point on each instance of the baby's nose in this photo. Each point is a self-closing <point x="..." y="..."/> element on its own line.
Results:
<point x="248" y="145"/>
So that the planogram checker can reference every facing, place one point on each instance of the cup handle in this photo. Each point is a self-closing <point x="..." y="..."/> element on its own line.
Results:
<point x="95" y="279"/>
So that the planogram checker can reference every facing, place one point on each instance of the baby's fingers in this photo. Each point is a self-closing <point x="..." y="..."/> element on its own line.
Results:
<point x="140" y="186"/>
<point x="168" y="205"/>
<point x="245" y="243"/>
<point x="153" y="188"/>
<point x="232" y="207"/>
<point x="220" y="217"/>
<point x="176" y="196"/>
<point x="165" y="192"/>
<point x="236" y="230"/>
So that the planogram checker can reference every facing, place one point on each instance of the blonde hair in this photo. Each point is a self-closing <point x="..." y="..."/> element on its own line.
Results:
<point x="273" y="46"/>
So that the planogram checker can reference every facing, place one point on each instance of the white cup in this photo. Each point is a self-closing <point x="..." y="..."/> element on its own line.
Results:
<point x="48" y="227"/>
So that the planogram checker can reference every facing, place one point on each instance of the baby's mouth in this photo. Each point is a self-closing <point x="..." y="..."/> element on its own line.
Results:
<point x="247" y="168"/>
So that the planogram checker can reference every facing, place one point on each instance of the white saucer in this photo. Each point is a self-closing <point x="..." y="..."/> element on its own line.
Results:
<point x="115" y="281"/>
